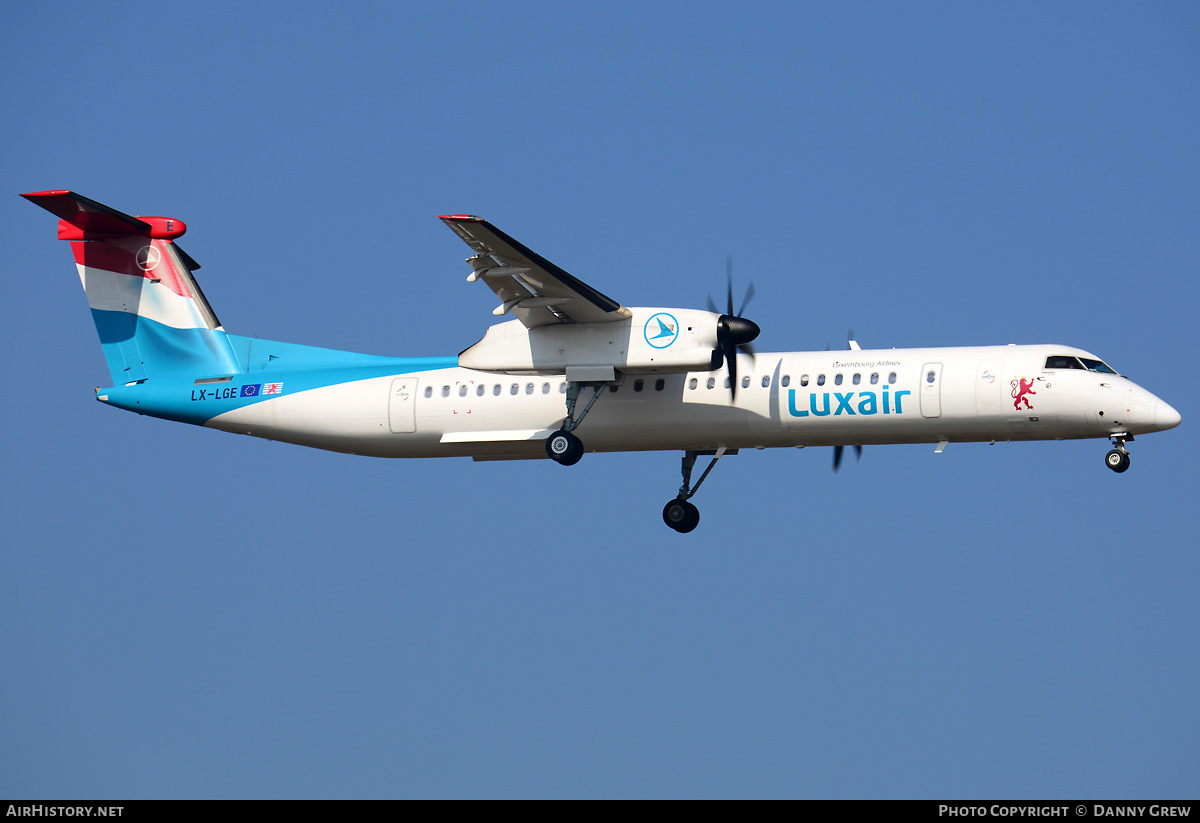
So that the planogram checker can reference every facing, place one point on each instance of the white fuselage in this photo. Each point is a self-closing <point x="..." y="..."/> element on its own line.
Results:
<point x="783" y="399"/>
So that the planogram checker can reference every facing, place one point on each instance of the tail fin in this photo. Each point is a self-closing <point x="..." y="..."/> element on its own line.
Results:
<point x="152" y="317"/>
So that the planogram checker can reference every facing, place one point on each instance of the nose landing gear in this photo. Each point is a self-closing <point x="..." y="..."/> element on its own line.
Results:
<point x="1118" y="458"/>
<point x="679" y="513"/>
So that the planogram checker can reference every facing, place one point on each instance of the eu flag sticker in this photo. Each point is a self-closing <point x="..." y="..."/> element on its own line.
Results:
<point x="251" y="391"/>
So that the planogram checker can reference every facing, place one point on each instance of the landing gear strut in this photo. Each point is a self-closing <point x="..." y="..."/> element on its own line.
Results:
<point x="1118" y="458"/>
<point x="679" y="513"/>
<point x="563" y="446"/>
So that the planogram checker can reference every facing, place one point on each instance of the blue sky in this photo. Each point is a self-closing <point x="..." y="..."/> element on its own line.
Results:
<point x="185" y="613"/>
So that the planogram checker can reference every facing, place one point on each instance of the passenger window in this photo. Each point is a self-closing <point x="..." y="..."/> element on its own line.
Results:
<point x="462" y="390"/>
<point x="496" y="390"/>
<point x="837" y="380"/>
<point x="479" y="390"/>
<point x="429" y="391"/>
<point x="766" y="381"/>
<point x="746" y="382"/>
<point x="513" y="389"/>
<point x="692" y="383"/>
<point x="820" y="380"/>
<point x="874" y="378"/>
<point x="545" y="388"/>
<point x="445" y="391"/>
<point x="639" y="384"/>
<point x="804" y="380"/>
<point x="562" y="388"/>
<point x="856" y="379"/>
<point x="786" y="381"/>
<point x="892" y="377"/>
<point x="529" y="388"/>
<point x="728" y="382"/>
<point x="660" y="384"/>
<point x="929" y="378"/>
<point x="712" y="381"/>
<point x="612" y="389"/>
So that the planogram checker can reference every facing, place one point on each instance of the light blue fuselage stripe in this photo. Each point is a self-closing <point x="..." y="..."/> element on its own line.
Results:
<point x="186" y="355"/>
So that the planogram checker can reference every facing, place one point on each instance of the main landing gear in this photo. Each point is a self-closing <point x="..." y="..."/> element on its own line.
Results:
<point x="1118" y="458"/>
<point x="679" y="513"/>
<point x="563" y="446"/>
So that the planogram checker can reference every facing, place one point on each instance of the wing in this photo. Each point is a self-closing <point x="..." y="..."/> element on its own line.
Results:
<point x="536" y="291"/>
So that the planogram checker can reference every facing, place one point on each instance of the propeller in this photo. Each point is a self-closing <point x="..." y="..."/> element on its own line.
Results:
<point x="734" y="332"/>
<point x="851" y="344"/>
<point x="837" y="455"/>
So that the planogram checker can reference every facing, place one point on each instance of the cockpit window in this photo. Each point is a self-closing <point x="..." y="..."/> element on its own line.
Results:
<point x="1062" y="361"/>
<point x="1097" y="365"/>
<point x="1066" y="361"/>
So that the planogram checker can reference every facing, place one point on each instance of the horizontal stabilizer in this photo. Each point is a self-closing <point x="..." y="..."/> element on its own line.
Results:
<point x="86" y="214"/>
<point x="84" y="219"/>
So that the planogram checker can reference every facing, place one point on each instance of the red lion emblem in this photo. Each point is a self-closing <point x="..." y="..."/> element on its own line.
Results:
<point x="1019" y="392"/>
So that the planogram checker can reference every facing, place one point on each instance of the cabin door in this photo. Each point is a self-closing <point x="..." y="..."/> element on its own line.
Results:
<point x="402" y="405"/>
<point x="931" y="390"/>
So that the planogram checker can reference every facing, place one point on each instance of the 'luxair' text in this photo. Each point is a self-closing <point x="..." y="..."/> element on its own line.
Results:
<point x="868" y="402"/>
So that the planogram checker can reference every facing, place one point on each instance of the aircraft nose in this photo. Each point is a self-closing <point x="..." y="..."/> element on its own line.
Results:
<point x="1165" y="417"/>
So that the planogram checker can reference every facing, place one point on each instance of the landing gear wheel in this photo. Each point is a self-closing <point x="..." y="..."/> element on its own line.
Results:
<point x="681" y="515"/>
<point x="564" y="447"/>
<point x="1116" y="460"/>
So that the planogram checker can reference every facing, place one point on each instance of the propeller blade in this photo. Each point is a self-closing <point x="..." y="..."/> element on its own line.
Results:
<point x="731" y="359"/>
<point x="839" y="452"/>
<point x="747" y="348"/>
<point x="746" y="300"/>
<point x="729" y="283"/>
<point x="712" y="307"/>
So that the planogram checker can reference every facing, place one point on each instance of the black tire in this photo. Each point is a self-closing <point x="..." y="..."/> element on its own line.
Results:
<point x="564" y="447"/>
<point x="1117" y="461"/>
<point x="681" y="515"/>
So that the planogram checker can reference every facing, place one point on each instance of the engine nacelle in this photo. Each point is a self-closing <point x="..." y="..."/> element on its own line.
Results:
<point x="651" y="340"/>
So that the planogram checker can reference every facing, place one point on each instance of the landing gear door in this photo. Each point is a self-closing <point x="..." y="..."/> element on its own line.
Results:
<point x="402" y="404"/>
<point x="931" y="390"/>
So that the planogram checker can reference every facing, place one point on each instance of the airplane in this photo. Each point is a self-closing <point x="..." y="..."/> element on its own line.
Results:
<point x="573" y="371"/>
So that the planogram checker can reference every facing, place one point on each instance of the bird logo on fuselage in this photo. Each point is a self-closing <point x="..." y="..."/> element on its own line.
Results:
<point x="661" y="330"/>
